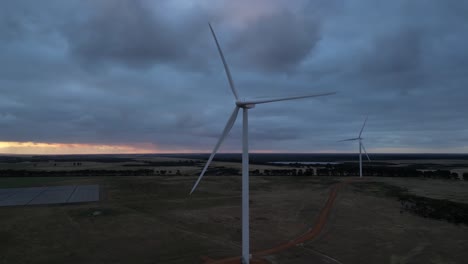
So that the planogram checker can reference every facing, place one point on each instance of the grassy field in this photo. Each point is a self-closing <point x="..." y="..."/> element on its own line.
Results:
<point x="369" y="226"/>
<point x="152" y="219"/>
<point x="18" y="182"/>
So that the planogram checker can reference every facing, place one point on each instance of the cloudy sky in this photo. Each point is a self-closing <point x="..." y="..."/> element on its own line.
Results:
<point x="126" y="76"/>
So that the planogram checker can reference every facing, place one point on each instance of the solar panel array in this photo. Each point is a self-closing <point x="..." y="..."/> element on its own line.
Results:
<point x="49" y="195"/>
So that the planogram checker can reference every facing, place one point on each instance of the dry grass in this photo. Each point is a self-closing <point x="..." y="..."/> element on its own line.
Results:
<point x="153" y="220"/>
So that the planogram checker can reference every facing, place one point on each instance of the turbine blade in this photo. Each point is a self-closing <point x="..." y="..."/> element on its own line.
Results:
<point x="262" y="101"/>
<point x="226" y="68"/>
<point x="363" y="125"/>
<point x="362" y="144"/>
<point x="350" y="139"/>
<point x="226" y="130"/>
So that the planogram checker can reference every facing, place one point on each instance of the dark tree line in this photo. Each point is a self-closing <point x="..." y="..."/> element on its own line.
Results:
<point x="167" y="172"/>
<point x="328" y="170"/>
<point x="29" y="173"/>
<point x="353" y="170"/>
<point x="434" y="208"/>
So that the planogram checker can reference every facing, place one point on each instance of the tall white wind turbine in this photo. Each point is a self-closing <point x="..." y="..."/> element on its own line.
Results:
<point x="245" y="105"/>
<point x="361" y="147"/>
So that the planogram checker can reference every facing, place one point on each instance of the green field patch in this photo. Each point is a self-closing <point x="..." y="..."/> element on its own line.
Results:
<point x="93" y="212"/>
<point x="18" y="182"/>
<point x="6" y="239"/>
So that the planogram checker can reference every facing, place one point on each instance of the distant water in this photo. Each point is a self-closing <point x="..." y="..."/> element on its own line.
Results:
<point x="304" y="162"/>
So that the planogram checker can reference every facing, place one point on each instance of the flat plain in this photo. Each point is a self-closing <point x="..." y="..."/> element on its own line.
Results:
<point x="152" y="219"/>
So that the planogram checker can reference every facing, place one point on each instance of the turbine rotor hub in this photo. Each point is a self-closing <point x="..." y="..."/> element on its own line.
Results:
<point x="244" y="105"/>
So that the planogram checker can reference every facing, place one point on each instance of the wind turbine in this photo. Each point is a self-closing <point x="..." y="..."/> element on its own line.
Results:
<point x="245" y="105"/>
<point x="361" y="147"/>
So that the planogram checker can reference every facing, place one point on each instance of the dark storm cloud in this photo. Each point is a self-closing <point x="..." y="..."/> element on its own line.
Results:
<point x="131" y="32"/>
<point x="394" y="53"/>
<point x="140" y="34"/>
<point x="278" y="42"/>
<point x="135" y="72"/>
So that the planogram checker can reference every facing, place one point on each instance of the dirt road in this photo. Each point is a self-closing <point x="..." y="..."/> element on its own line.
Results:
<point x="259" y="256"/>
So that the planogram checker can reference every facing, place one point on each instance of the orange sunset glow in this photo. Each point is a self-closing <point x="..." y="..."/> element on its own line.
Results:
<point x="43" y="148"/>
<point x="35" y="148"/>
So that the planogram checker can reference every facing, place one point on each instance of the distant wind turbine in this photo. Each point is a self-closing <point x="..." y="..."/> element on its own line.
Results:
<point x="361" y="147"/>
<point x="245" y="105"/>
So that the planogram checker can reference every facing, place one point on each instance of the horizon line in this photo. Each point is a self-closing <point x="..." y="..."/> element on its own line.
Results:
<point x="239" y="153"/>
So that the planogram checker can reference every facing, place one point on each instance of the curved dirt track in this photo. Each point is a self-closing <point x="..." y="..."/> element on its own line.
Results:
<point x="258" y="257"/>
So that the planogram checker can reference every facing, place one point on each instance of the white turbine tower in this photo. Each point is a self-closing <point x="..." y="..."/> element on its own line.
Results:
<point x="245" y="105"/>
<point x="361" y="147"/>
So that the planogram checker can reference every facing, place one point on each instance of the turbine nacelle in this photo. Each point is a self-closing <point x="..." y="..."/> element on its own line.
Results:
<point x="241" y="104"/>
